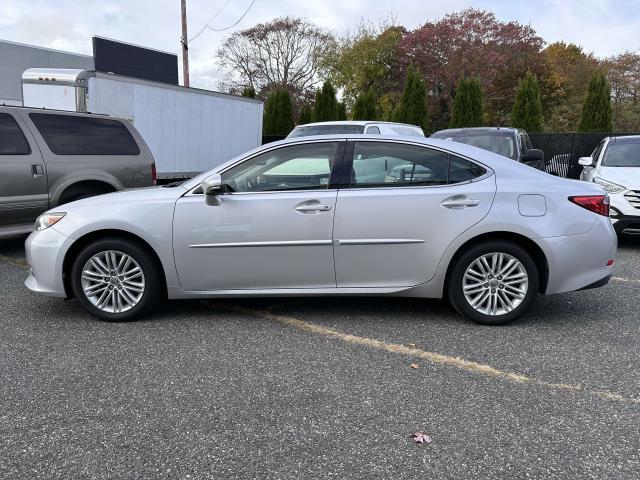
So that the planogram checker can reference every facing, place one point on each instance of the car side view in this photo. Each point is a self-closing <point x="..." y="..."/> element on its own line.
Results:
<point x="51" y="157"/>
<point x="333" y="215"/>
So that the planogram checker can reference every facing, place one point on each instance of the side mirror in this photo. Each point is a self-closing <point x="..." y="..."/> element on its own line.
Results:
<point x="212" y="187"/>
<point x="585" y="161"/>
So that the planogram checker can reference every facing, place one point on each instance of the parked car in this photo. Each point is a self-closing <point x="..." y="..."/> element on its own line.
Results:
<point x="615" y="166"/>
<point x="330" y="215"/>
<point x="356" y="126"/>
<point x="513" y="143"/>
<point x="48" y="158"/>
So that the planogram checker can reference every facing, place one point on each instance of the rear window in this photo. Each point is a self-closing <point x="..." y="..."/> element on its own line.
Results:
<point x="12" y="140"/>
<point x="77" y="135"/>
<point x="307" y="131"/>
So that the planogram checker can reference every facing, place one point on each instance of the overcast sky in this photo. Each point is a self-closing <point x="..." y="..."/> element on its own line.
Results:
<point x="603" y="27"/>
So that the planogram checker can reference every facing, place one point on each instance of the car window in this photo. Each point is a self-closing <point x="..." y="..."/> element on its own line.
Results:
<point x="394" y="164"/>
<point x="622" y="153"/>
<point x="500" y="142"/>
<point x="296" y="167"/>
<point x="12" y="140"/>
<point x="306" y="131"/>
<point x="373" y="129"/>
<point x="596" y="153"/>
<point x="523" y="143"/>
<point x="77" y="135"/>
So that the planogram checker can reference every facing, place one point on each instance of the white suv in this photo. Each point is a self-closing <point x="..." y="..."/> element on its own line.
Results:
<point x="615" y="165"/>
<point x="348" y="127"/>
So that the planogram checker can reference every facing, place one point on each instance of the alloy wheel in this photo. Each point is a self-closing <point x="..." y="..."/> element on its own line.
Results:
<point x="113" y="281"/>
<point x="495" y="283"/>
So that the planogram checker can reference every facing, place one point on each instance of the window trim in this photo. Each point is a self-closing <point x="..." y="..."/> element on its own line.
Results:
<point x="24" y="137"/>
<point x="116" y="120"/>
<point x="333" y="179"/>
<point x="348" y="161"/>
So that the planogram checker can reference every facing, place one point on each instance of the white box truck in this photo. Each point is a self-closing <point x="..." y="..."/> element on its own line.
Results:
<point x="188" y="130"/>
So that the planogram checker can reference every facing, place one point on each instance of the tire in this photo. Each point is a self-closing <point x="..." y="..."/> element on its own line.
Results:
<point x="130" y="294"/>
<point x="522" y="275"/>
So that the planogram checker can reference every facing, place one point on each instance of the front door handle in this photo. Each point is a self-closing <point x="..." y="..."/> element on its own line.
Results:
<point x="37" y="170"/>
<point x="313" y="207"/>
<point x="459" y="202"/>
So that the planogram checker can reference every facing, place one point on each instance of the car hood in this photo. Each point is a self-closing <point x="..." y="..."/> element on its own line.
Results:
<point x="628" y="177"/>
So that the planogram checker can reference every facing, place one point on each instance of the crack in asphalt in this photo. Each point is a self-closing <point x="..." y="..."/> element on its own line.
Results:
<point x="432" y="357"/>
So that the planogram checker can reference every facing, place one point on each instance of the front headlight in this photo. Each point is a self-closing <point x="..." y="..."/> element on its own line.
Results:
<point x="609" y="186"/>
<point x="48" y="219"/>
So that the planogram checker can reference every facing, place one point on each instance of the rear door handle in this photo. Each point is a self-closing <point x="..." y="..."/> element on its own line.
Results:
<point x="460" y="203"/>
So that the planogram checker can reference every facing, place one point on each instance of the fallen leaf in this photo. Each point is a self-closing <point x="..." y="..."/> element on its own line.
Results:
<point x="414" y="365"/>
<point x="421" y="438"/>
<point x="412" y="345"/>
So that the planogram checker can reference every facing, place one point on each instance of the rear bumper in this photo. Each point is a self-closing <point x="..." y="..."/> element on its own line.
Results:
<point x="579" y="262"/>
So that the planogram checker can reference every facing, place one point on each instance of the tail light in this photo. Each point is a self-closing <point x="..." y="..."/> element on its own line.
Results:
<point x="154" y="174"/>
<point x="596" y="203"/>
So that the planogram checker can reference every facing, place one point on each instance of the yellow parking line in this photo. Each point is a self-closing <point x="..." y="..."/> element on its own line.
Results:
<point x="432" y="357"/>
<point x="626" y="280"/>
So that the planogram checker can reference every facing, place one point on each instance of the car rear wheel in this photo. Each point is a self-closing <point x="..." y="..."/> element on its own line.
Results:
<point x="115" y="280"/>
<point x="494" y="283"/>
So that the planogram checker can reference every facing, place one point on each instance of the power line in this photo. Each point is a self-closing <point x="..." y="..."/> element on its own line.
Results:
<point x="231" y="26"/>
<point x="211" y="20"/>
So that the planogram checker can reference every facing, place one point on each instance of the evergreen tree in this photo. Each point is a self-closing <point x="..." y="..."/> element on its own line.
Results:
<point x="467" y="104"/>
<point x="249" y="92"/>
<point x="364" y="107"/>
<point x="305" y="114"/>
<point x="596" y="110"/>
<point x="341" y="111"/>
<point x="278" y="114"/>
<point x="413" y="103"/>
<point x="527" y="109"/>
<point x="326" y="106"/>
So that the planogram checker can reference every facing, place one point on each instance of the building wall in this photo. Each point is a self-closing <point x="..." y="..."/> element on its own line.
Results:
<point x="15" y="58"/>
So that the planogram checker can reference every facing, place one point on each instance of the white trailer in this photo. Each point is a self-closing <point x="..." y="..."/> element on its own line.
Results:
<point x="188" y="130"/>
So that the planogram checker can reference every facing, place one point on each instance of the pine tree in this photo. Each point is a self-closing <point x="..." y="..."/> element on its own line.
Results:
<point x="364" y="107"/>
<point x="341" y="111"/>
<point x="305" y="114"/>
<point x="326" y="106"/>
<point x="467" y="105"/>
<point x="413" y="103"/>
<point x="278" y="114"/>
<point x="527" y="108"/>
<point x="249" y="92"/>
<point x="596" y="110"/>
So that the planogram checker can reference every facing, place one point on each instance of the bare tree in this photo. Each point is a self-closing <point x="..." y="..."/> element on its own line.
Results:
<point x="284" y="53"/>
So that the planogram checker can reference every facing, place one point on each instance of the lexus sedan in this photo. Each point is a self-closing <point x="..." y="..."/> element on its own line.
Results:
<point x="333" y="215"/>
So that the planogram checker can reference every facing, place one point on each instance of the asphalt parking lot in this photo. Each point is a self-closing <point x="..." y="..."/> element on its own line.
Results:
<point x="320" y="388"/>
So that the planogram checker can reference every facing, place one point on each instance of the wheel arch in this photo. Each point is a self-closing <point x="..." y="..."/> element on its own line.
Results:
<point x="90" y="237"/>
<point x="532" y="248"/>
<point x="107" y="183"/>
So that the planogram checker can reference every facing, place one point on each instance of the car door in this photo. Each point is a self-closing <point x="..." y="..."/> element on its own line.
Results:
<point x="23" y="181"/>
<point x="403" y="206"/>
<point x="273" y="230"/>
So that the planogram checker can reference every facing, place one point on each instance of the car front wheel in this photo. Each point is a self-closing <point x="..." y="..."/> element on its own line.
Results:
<point x="115" y="280"/>
<point x="494" y="283"/>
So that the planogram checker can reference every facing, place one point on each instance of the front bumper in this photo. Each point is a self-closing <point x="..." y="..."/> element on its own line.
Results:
<point x="625" y="224"/>
<point x="45" y="251"/>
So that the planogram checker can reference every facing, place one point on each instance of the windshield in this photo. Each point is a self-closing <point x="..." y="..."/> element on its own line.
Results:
<point x="307" y="131"/>
<point x="495" y="141"/>
<point x="622" y="154"/>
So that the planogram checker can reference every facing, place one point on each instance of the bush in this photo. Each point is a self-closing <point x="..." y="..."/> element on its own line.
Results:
<point x="467" y="104"/>
<point x="278" y="114"/>
<point x="413" y="103"/>
<point x="326" y="106"/>
<point x="364" y="107"/>
<point x="596" y="111"/>
<point x="527" y="109"/>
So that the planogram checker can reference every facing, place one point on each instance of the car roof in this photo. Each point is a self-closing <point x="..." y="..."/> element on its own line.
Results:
<point x="623" y="138"/>
<point x="479" y="129"/>
<point x="355" y="122"/>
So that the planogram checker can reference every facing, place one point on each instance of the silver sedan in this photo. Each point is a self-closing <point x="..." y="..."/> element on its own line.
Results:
<point x="333" y="215"/>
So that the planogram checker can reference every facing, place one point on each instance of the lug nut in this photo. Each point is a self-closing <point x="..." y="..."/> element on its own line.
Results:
<point x="493" y="290"/>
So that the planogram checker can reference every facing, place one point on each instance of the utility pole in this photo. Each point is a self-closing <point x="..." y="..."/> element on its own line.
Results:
<point x="185" y="46"/>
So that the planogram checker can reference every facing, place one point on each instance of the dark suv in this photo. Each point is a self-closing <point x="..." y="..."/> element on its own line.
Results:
<point x="50" y="157"/>
<point x="513" y="143"/>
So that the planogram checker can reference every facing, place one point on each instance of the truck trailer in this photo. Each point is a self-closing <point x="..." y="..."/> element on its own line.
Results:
<point x="188" y="130"/>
